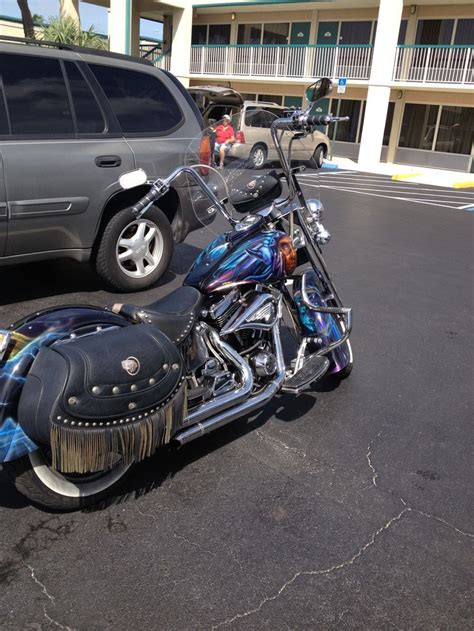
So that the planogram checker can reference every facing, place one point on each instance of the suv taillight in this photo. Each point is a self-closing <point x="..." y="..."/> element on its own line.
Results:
<point x="205" y="154"/>
<point x="239" y="136"/>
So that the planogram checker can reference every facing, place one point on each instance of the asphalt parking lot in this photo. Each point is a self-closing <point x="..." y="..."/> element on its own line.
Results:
<point x="349" y="507"/>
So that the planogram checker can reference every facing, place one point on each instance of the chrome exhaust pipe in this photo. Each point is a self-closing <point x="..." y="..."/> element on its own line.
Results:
<point x="250" y="405"/>
<point x="205" y="410"/>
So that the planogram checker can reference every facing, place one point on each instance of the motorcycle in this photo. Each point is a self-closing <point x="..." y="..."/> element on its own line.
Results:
<point x="86" y="392"/>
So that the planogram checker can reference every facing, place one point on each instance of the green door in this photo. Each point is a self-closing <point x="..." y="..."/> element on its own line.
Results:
<point x="297" y="52"/>
<point x="327" y="33"/>
<point x="300" y="33"/>
<point x="321" y="107"/>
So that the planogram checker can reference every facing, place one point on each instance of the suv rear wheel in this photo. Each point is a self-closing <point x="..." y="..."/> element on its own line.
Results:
<point x="134" y="253"/>
<point x="258" y="156"/>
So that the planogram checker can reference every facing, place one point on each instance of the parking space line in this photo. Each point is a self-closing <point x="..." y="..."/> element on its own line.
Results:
<point x="395" y="185"/>
<point x="403" y="199"/>
<point x="402" y="190"/>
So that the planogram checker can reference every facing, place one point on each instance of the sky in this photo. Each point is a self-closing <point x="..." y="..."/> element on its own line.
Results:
<point x="91" y="15"/>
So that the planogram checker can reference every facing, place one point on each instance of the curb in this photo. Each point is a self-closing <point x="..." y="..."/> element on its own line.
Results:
<point x="329" y="165"/>
<point x="464" y="184"/>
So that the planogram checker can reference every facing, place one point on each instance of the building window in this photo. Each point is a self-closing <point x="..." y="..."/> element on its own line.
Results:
<point x="270" y="34"/>
<point x="250" y="34"/>
<point x="276" y="34"/>
<point x="388" y="123"/>
<point x="346" y="131"/>
<point x="199" y="35"/>
<point x="432" y="32"/>
<point x="455" y="131"/>
<point x="402" y="33"/>
<point x="464" y="32"/>
<point x="204" y="34"/>
<point x="270" y="98"/>
<point x="418" y="126"/>
<point x="357" y="32"/>
<point x="219" y="34"/>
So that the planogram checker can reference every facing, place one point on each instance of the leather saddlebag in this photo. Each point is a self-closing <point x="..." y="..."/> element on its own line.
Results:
<point x="103" y="398"/>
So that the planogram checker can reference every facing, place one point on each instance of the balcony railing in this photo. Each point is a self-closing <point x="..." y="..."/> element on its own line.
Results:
<point x="434" y="64"/>
<point x="291" y="61"/>
<point x="163" y="61"/>
<point x="417" y="64"/>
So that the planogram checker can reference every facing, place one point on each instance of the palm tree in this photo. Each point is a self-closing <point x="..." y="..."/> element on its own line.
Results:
<point x="28" y="26"/>
<point x="66" y="30"/>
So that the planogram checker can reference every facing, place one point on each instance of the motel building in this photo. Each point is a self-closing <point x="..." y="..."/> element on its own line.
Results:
<point x="408" y="66"/>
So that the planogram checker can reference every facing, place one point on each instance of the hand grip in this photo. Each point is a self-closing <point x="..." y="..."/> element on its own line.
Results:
<point x="154" y="193"/>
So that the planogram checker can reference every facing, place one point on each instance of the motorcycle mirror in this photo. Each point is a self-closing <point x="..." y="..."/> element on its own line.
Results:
<point x="319" y="89"/>
<point x="132" y="179"/>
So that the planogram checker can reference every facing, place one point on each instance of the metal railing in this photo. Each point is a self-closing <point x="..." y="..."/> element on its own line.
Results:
<point x="151" y="51"/>
<point x="434" y="64"/>
<point x="163" y="61"/>
<point x="298" y="61"/>
<point x="413" y="63"/>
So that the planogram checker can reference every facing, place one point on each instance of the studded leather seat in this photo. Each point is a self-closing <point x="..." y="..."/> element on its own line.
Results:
<point x="174" y="315"/>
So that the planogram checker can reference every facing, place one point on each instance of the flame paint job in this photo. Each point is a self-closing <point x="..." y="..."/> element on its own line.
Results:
<point x="28" y="336"/>
<point x="321" y="325"/>
<point x="229" y="260"/>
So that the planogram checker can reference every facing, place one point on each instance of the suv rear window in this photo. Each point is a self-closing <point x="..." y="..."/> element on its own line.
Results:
<point x="261" y="116"/>
<point x="36" y="95"/>
<point x="141" y="103"/>
<point x="89" y="118"/>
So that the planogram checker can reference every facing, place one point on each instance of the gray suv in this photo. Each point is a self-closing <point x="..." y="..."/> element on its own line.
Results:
<point x="72" y="121"/>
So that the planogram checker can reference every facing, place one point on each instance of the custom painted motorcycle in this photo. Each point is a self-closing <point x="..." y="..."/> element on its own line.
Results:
<point x="86" y="392"/>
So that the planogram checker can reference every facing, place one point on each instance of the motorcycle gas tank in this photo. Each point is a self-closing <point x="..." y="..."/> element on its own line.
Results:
<point x="237" y="259"/>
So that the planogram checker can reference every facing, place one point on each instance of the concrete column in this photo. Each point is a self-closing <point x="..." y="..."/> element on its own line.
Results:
<point x="120" y="29"/>
<point x="181" y="43"/>
<point x="69" y="9"/>
<point x="167" y="32"/>
<point x="135" y="32"/>
<point x="395" y="131"/>
<point x="389" y="17"/>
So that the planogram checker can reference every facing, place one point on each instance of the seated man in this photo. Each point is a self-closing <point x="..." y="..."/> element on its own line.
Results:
<point x="224" y="138"/>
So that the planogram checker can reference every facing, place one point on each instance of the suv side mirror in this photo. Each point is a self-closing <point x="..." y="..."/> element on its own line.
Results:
<point x="319" y="90"/>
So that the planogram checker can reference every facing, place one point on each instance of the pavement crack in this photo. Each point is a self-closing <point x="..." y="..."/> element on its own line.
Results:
<point x="368" y="455"/>
<point x="38" y="582"/>
<point x="279" y="443"/>
<point x="194" y="544"/>
<point x="51" y="598"/>
<point x="443" y="521"/>
<point x="329" y="570"/>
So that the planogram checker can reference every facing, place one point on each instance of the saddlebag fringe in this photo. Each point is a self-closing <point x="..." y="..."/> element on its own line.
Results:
<point x="88" y="448"/>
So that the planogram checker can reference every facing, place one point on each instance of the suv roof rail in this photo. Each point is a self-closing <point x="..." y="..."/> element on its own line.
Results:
<point x="72" y="47"/>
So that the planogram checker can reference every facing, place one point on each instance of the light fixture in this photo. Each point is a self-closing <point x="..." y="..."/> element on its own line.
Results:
<point x="400" y="94"/>
<point x="412" y="9"/>
<point x="232" y="17"/>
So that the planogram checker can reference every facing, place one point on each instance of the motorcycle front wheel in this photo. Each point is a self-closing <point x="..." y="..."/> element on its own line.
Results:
<point x="34" y="477"/>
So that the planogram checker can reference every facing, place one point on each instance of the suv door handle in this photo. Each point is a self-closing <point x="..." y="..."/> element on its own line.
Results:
<point x="108" y="162"/>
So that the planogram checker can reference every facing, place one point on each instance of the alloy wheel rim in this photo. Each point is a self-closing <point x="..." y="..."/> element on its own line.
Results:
<point x="139" y="248"/>
<point x="258" y="157"/>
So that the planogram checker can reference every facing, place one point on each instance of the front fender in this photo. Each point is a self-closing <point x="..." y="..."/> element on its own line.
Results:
<point x="27" y="337"/>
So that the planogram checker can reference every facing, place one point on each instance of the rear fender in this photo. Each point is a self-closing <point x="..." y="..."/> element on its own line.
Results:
<point x="27" y="337"/>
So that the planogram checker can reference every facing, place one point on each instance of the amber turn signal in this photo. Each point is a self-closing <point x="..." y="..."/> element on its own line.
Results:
<point x="288" y="253"/>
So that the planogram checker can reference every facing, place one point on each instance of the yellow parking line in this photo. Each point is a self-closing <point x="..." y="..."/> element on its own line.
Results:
<point x="464" y="184"/>
<point x="405" y="176"/>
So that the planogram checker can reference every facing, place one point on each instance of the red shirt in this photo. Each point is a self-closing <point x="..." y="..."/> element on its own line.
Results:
<point x="223" y="134"/>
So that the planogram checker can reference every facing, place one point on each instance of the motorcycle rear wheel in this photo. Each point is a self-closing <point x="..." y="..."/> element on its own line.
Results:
<point x="49" y="489"/>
